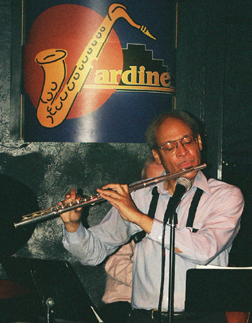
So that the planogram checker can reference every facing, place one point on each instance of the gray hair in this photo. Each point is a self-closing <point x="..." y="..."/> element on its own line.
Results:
<point x="150" y="134"/>
<point x="150" y="160"/>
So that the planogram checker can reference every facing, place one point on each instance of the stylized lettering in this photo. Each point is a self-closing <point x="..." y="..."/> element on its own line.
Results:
<point x="134" y="79"/>
<point x="165" y="79"/>
<point x="102" y="77"/>
<point x="130" y="76"/>
<point x="151" y="76"/>
<point x="107" y="77"/>
<point x="114" y="76"/>
<point x="141" y="75"/>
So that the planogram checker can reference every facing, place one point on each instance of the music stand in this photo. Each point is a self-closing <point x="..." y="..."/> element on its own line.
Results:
<point x="219" y="290"/>
<point x="56" y="291"/>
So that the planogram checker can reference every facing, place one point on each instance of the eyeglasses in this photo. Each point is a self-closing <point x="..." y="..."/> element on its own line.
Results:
<point x="171" y="147"/>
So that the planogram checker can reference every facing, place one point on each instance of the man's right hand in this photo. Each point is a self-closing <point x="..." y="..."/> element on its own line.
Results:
<point x="72" y="218"/>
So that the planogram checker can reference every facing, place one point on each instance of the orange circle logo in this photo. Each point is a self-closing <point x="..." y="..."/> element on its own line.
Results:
<point x="65" y="56"/>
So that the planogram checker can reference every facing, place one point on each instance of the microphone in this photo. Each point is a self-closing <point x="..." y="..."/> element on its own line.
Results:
<point x="183" y="184"/>
<point x="50" y="302"/>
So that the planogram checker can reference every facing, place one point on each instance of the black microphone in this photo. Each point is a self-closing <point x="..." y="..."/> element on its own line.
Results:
<point x="183" y="184"/>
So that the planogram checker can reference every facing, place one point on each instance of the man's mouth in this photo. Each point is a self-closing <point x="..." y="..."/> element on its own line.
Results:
<point x="186" y="165"/>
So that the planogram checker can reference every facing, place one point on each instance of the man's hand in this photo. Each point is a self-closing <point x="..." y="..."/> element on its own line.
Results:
<point x="72" y="218"/>
<point x="118" y="196"/>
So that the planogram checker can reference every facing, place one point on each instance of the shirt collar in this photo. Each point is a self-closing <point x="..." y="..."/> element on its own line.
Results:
<point x="201" y="182"/>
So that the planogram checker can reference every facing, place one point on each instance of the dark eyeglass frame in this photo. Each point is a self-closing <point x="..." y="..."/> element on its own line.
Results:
<point x="184" y="144"/>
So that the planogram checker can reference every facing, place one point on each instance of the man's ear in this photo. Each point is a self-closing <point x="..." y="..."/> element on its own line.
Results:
<point x="156" y="156"/>
<point x="199" y="141"/>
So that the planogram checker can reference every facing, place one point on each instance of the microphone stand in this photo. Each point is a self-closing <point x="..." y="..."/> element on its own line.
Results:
<point x="171" y="215"/>
<point x="49" y="304"/>
<point x="172" y="224"/>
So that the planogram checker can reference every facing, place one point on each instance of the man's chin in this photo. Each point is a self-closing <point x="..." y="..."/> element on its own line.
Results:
<point x="190" y="175"/>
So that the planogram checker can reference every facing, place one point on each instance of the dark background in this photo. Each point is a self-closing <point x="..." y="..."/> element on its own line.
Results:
<point x="213" y="82"/>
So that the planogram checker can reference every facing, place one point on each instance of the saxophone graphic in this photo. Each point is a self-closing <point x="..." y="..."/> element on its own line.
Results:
<point x="54" y="103"/>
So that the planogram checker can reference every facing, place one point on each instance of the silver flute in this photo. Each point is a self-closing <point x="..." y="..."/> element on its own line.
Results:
<point x="56" y="210"/>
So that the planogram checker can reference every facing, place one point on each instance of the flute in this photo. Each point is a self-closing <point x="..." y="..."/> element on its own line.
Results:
<point x="54" y="211"/>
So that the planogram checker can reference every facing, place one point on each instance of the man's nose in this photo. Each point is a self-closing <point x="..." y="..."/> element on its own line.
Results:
<point x="181" y="149"/>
